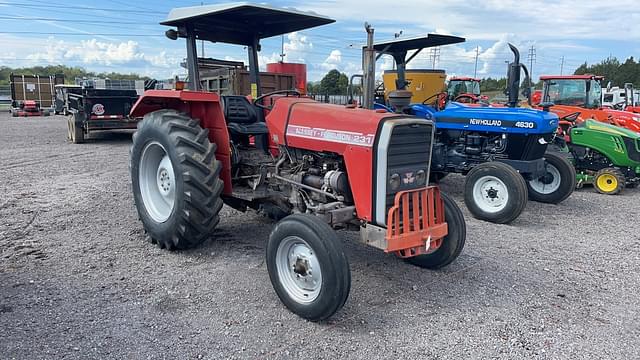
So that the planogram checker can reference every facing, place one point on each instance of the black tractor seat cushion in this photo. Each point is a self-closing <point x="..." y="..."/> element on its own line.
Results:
<point x="258" y="128"/>
<point x="238" y="110"/>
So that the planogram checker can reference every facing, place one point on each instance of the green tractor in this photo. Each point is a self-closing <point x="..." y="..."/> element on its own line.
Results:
<point x="604" y="155"/>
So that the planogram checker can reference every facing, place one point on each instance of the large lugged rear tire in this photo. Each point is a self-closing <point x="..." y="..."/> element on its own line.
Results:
<point x="452" y="244"/>
<point x="307" y="267"/>
<point x="557" y="184"/>
<point x="495" y="192"/>
<point x="175" y="177"/>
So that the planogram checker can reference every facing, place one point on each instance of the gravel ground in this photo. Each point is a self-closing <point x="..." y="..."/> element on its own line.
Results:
<point x="78" y="280"/>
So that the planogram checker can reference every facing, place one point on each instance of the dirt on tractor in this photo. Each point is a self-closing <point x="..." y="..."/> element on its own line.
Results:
<point x="78" y="281"/>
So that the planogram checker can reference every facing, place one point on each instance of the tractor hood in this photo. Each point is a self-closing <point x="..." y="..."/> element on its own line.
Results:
<point x="622" y="119"/>
<point x="457" y="116"/>
<point x="609" y="129"/>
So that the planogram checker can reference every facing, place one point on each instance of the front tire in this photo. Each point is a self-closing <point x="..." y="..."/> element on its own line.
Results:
<point x="307" y="267"/>
<point x="175" y="178"/>
<point x="495" y="192"/>
<point x="452" y="244"/>
<point x="609" y="181"/>
<point x="557" y="184"/>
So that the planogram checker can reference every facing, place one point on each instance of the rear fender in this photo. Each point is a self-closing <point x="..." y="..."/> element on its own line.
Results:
<point x="198" y="105"/>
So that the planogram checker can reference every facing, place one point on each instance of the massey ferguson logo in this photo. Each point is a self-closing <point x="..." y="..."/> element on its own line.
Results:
<point x="98" y="109"/>
<point x="408" y="178"/>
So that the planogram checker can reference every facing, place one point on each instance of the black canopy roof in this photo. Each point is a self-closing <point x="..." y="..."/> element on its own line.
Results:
<point x="422" y="42"/>
<point x="241" y="23"/>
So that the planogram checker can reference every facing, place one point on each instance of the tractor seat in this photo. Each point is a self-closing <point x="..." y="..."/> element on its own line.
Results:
<point x="242" y="117"/>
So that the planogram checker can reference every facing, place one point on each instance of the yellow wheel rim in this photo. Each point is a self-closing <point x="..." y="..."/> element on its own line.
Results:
<point x="607" y="182"/>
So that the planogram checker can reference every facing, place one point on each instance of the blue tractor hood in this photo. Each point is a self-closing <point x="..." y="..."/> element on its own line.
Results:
<point x="457" y="116"/>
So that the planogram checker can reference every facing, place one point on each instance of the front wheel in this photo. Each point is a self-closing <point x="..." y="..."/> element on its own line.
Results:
<point x="451" y="245"/>
<point x="307" y="267"/>
<point x="609" y="181"/>
<point x="495" y="192"/>
<point x="557" y="184"/>
<point x="175" y="179"/>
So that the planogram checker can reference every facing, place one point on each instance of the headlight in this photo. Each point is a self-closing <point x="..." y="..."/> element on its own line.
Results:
<point x="394" y="182"/>
<point x="421" y="177"/>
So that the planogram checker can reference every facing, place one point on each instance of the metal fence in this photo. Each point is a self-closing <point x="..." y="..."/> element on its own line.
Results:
<point x="5" y="97"/>
<point x="335" y="99"/>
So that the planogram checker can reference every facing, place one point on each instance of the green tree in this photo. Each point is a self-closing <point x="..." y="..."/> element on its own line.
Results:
<point x="334" y="83"/>
<point x="70" y="73"/>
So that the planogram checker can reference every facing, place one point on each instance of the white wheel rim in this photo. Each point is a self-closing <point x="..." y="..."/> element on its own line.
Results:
<point x="490" y="194"/>
<point x="298" y="269"/>
<point x="548" y="183"/>
<point x="156" y="180"/>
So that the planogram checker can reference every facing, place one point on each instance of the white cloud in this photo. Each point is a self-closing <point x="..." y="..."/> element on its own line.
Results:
<point x="333" y="61"/>
<point x="94" y="52"/>
<point x="563" y="19"/>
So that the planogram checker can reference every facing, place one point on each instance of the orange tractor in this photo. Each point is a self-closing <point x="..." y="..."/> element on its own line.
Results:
<point x="313" y="167"/>
<point x="580" y="97"/>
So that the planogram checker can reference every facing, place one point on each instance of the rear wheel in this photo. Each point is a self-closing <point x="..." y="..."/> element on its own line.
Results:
<point x="76" y="134"/>
<point x="452" y="244"/>
<point x="495" y="192"/>
<point x="307" y="267"/>
<point x="175" y="178"/>
<point x="557" y="184"/>
<point x="609" y="181"/>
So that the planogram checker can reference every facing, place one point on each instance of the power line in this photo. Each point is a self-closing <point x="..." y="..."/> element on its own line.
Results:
<point x="84" y="8"/>
<point x="434" y="56"/>
<point x="78" y="34"/>
<point x="75" y="20"/>
<point x="532" y="59"/>
<point x="475" y="70"/>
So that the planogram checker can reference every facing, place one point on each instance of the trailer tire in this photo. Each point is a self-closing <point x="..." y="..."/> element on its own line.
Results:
<point x="76" y="134"/>
<point x="560" y="179"/>
<point x="452" y="244"/>
<point x="176" y="180"/>
<point x="495" y="192"/>
<point x="297" y="245"/>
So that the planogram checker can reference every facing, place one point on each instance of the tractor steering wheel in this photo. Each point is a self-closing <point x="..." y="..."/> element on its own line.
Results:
<point x="472" y="97"/>
<point x="619" y="106"/>
<point x="439" y="103"/>
<point x="258" y="101"/>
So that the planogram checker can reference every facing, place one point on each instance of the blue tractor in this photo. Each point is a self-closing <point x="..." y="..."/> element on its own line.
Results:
<point x="501" y="150"/>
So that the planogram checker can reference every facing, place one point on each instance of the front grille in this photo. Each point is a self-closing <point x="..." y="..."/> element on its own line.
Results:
<point x="523" y="147"/>
<point x="408" y="152"/>
<point x="632" y="149"/>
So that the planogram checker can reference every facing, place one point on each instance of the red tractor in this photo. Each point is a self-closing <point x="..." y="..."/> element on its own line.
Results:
<point x="314" y="167"/>
<point x="465" y="90"/>
<point x="26" y="108"/>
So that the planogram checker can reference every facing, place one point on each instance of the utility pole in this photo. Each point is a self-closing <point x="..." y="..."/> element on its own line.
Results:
<point x="475" y="70"/>
<point x="369" y="66"/>
<point x="434" y="56"/>
<point x="562" y="65"/>
<point x="395" y="36"/>
<point x="532" y="59"/>
<point x="282" y="54"/>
